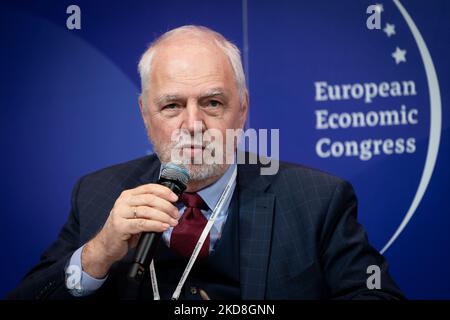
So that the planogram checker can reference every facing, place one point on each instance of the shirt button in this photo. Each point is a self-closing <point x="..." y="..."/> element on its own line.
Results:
<point x="194" y="290"/>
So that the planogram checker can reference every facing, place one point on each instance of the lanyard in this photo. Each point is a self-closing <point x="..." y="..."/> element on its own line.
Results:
<point x="218" y="208"/>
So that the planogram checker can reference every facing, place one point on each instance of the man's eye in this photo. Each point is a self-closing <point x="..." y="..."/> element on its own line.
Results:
<point x="214" y="103"/>
<point x="170" y="106"/>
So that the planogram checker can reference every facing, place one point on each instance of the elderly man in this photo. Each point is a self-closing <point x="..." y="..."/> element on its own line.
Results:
<point x="291" y="235"/>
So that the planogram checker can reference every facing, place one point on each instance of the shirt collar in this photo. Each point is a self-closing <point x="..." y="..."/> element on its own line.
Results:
<point x="212" y="193"/>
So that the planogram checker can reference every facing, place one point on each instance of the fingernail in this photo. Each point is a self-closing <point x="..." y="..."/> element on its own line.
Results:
<point x="165" y="226"/>
<point x="174" y="197"/>
<point x="174" y="222"/>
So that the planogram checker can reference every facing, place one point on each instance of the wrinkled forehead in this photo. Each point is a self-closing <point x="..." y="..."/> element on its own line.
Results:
<point x="190" y="62"/>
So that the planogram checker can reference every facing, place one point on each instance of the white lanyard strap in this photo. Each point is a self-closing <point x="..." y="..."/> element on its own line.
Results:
<point x="154" y="281"/>
<point x="217" y="209"/>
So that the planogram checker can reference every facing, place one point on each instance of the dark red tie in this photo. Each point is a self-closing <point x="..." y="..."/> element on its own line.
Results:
<point x="190" y="226"/>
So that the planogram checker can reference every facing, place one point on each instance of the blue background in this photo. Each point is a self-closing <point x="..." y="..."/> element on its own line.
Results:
<point x="68" y="106"/>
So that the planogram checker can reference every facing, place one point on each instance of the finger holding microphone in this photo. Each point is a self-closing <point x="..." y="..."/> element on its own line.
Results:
<point x="146" y="209"/>
<point x="174" y="177"/>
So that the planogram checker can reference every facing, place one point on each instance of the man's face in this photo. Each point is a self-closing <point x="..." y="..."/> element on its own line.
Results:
<point x="192" y="86"/>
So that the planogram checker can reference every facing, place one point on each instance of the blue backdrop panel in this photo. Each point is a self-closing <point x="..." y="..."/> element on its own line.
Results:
<point x="68" y="104"/>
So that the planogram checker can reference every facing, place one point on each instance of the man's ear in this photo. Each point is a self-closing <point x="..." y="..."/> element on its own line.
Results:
<point x="143" y="110"/>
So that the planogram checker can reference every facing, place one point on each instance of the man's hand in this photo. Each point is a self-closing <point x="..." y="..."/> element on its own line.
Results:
<point x="147" y="208"/>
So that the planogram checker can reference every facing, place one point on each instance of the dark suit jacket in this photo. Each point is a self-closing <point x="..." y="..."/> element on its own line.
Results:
<point x="299" y="237"/>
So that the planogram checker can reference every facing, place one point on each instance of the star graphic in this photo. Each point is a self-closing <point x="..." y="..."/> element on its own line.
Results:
<point x="379" y="8"/>
<point x="399" y="55"/>
<point x="389" y="29"/>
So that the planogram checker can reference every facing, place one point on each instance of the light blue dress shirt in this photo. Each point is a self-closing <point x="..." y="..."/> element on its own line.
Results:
<point x="210" y="195"/>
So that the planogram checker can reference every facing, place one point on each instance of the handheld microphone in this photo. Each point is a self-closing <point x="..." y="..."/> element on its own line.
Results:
<point x="174" y="177"/>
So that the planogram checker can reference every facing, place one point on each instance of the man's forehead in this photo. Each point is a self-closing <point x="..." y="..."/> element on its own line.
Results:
<point x="177" y="53"/>
<point x="177" y="60"/>
<point x="177" y="69"/>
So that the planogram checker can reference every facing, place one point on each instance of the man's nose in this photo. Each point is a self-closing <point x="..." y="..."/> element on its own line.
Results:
<point x="193" y="118"/>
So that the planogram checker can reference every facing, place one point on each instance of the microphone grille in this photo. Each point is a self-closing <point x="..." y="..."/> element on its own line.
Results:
<point x="175" y="172"/>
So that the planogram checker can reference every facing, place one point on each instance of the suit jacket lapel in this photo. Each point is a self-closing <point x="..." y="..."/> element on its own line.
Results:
<point x="256" y="208"/>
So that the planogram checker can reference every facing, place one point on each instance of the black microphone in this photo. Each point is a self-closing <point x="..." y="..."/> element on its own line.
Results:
<point x="174" y="177"/>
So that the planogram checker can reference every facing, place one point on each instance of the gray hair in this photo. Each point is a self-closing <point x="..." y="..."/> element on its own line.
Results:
<point x="230" y="50"/>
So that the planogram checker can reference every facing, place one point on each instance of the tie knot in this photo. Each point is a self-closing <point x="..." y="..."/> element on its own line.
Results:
<point x="193" y="200"/>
